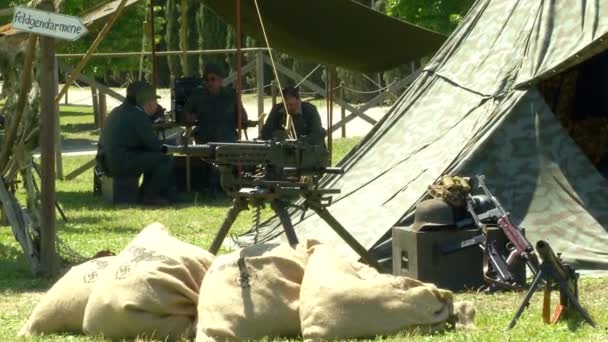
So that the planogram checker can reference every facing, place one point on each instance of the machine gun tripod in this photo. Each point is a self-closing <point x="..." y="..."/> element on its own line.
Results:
<point x="271" y="172"/>
<point x="553" y="271"/>
<point x="315" y="199"/>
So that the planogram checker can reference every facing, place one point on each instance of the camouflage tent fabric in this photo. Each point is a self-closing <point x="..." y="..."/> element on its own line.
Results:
<point x="341" y="32"/>
<point x="476" y="109"/>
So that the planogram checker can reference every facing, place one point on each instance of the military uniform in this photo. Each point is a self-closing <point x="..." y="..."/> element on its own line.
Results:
<point x="307" y="123"/>
<point x="217" y="116"/>
<point x="129" y="147"/>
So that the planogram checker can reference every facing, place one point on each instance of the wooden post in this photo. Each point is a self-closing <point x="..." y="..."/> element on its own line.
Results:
<point x="260" y="84"/>
<point x="380" y="91"/>
<point x="342" y="110"/>
<point x="330" y="113"/>
<point x="103" y="108"/>
<point x="172" y="89"/>
<point x="95" y="102"/>
<point x="65" y="97"/>
<point x="48" y="255"/>
<point x="328" y="101"/>
<point x="58" y="147"/>
<point x="239" y="65"/>
<point x="188" y="163"/>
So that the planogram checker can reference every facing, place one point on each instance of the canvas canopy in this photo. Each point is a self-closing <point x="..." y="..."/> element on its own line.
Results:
<point x="341" y="32"/>
<point x="477" y="109"/>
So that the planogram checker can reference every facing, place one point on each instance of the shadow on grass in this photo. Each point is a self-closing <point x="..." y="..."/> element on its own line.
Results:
<point x="15" y="272"/>
<point x="87" y="200"/>
<point x="82" y="200"/>
<point x="78" y="128"/>
<point x="575" y="320"/>
<point x="196" y="199"/>
<point x="90" y="225"/>
<point x="75" y="110"/>
<point x="78" y="144"/>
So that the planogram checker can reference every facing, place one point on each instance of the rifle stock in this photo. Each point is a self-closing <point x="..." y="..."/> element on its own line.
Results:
<point x="521" y="248"/>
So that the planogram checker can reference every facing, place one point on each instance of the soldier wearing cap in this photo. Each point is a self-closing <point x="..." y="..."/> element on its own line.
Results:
<point x="304" y="115"/>
<point x="129" y="147"/>
<point x="215" y="109"/>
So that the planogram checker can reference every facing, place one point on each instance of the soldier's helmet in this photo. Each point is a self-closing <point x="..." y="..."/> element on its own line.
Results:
<point x="434" y="213"/>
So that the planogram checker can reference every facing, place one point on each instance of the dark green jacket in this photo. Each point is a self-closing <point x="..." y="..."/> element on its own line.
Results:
<point x="127" y="131"/>
<point x="217" y="116"/>
<point x="307" y="124"/>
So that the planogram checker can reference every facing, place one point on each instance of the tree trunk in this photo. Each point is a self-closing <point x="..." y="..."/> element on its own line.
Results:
<point x="183" y="36"/>
<point x="212" y="34"/>
<point x="172" y="38"/>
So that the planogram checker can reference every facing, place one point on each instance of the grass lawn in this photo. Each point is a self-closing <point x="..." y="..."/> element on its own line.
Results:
<point x="94" y="225"/>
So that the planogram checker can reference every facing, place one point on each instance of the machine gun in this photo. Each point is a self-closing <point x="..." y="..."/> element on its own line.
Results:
<point x="275" y="172"/>
<point x="554" y="272"/>
<point x="497" y="270"/>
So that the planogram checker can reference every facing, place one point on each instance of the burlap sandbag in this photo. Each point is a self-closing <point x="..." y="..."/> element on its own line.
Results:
<point x="61" y="309"/>
<point x="252" y="293"/>
<point x="150" y="291"/>
<point x="340" y="299"/>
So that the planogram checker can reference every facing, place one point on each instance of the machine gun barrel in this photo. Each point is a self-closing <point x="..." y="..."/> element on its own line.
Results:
<point x="548" y="256"/>
<point x="204" y="151"/>
<point x="319" y="170"/>
<point x="553" y="272"/>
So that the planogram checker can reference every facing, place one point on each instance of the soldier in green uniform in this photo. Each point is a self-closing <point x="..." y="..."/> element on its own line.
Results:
<point x="129" y="147"/>
<point x="305" y="117"/>
<point x="215" y="110"/>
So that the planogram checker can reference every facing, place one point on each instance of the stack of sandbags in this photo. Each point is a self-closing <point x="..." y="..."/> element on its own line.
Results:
<point x="151" y="290"/>
<point x="252" y="293"/>
<point x="340" y="300"/>
<point x="61" y="309"/>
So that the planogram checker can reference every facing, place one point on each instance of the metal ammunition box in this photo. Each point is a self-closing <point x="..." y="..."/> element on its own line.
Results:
<point x="420" y="255"/>
<point x="120" y="190"/>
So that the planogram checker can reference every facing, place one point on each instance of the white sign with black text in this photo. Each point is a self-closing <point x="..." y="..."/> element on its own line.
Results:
<point x="48" y="23"/>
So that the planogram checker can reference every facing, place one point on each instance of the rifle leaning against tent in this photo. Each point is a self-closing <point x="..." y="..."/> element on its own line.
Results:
<point x="497" y="270"/>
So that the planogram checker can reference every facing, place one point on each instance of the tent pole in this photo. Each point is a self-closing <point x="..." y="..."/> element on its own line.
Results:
<point x="239" y="61"/>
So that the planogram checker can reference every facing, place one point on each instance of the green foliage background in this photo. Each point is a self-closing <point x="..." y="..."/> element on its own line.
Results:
<point x="205" y="30"/>
<point x="438" y="15"/>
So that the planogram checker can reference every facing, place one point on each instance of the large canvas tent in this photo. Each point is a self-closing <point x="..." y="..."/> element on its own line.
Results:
<point x="478" y="108"/>
<point x="341" y="32"/>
